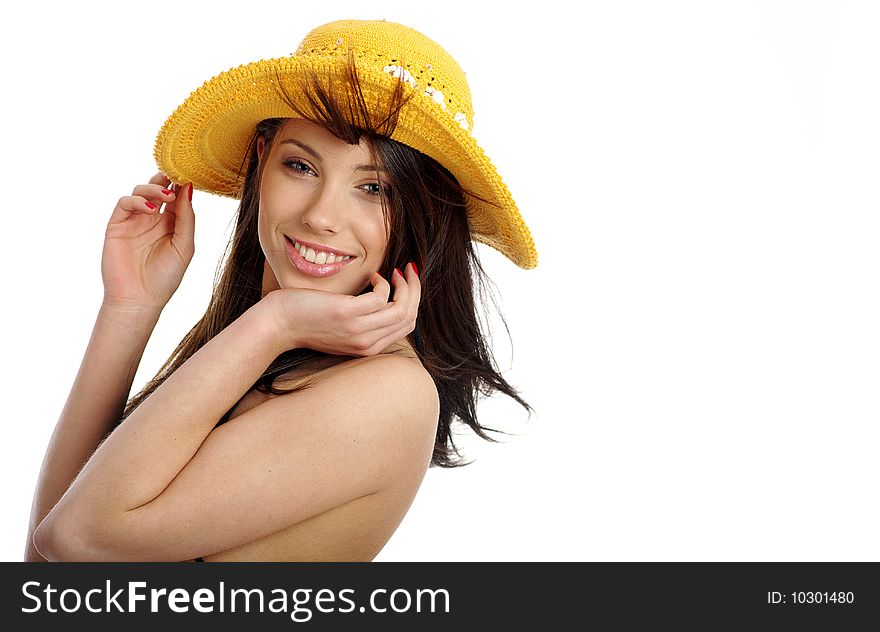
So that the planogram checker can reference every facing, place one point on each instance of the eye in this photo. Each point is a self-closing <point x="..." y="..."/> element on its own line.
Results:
<point x="377" y="189"/>
<point x="295" y="164"/>
<point x="373" y="188"/>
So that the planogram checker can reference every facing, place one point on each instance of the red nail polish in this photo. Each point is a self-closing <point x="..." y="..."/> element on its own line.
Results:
<point x="415" y="269"/>
<point x="167" y="192"/>
<point x="190" y="192"/>
<point x="399" y="272"/>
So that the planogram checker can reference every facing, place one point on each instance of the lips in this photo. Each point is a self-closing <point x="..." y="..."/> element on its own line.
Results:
<point x="315" y="269"/>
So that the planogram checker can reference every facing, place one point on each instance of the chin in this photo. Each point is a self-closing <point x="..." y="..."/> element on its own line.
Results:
<point x="325" y="285"/>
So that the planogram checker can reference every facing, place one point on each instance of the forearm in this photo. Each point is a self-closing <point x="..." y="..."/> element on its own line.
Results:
<point x="139" y="460"/>
<point x="94" y="405"/>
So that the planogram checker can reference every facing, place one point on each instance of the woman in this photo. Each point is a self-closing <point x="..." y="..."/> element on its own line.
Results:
<point x="296" y="420"/>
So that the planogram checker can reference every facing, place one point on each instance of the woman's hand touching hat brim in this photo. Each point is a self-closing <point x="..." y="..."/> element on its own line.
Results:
<point x="147" y="248"/>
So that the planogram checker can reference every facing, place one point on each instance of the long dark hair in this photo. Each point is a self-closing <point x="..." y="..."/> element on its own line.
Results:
<point x="426" y="215"/>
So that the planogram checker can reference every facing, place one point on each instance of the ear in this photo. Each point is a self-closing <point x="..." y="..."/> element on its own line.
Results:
<point x="261" y="142"/>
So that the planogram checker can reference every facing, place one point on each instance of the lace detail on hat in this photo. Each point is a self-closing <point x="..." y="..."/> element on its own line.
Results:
<point x="438" y="96"/>
<point x="400" y="73"/>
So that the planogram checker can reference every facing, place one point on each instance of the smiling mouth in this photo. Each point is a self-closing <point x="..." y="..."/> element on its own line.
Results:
<point x="314" y="263"/>
<point x="318" y="256"/>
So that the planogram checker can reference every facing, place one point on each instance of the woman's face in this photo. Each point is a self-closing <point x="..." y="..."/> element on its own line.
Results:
<point x="321" y="224"/>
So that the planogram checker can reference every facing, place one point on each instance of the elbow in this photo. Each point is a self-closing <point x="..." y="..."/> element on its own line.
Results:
<point x="42" y="541"/>
<point x="60" y="542"/>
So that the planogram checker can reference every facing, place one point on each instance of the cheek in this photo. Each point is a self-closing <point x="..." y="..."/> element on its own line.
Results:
<point x="265" y="204"/>
<point x="267" y="215"/>
<point x="378" y="236"/>
<point x="261" y="226"/>
<point x="378" y="244"/>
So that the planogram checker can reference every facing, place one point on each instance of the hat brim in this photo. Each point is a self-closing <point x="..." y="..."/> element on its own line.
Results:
<point x="205" y="140"/>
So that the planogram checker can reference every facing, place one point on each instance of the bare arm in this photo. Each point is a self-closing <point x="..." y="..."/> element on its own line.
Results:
<point x="144" y="257"/>
<point x="141" y="458"/>
<point x="167" y="486"/>
<point x="95" y="403"/>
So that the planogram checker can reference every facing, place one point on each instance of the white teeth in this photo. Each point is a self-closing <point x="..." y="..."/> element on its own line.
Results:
<point x="318" y="257"/>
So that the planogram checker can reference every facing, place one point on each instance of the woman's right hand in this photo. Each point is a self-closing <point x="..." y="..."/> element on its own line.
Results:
<point x="145" y="252"/>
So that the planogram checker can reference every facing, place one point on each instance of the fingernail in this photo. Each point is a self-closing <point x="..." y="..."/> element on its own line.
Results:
<point x="151" y="205"/>
<point x="190" y="192"/>
<point x="167" y="192"/>
<point x="415" y="269"/>
<point x="399" y="272"/>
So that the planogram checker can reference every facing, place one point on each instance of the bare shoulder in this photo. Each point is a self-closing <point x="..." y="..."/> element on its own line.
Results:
<point x="404" y="369"/>
<point x="391" y="394"/>
<point x="397" y="383"/>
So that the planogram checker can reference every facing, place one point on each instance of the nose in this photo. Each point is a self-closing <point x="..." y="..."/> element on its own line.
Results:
<point x="323" y="214"/>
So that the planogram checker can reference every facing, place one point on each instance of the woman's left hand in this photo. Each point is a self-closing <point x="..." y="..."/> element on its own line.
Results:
<point x="343" y="324"/>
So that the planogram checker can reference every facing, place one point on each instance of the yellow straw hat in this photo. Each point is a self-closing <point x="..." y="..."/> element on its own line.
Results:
<point x="205" y="140"/>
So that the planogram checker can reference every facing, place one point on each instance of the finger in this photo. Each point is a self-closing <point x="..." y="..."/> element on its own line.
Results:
<point x="171" y="207"/>
<point x="377" y="340"/>
<point x="402" y="302"/>
<point x="176" y="190"/>
<point x="185" y="224"/>
<point x="160" y="178"/>
<point x="381" y="286"/>
<point x="414" y="282"/>
<point x="372" y="301"/>
<point x="156" y="193"/>
<point x="406" y="294"/>
<point x="400" y="312"/>
<point x="414" y="291"/>
<point x="386" y="337"/>
<point x="132" y="204"/>
<point x="401" y="287"/>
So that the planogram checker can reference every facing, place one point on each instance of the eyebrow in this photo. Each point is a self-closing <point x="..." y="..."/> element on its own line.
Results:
<point x="302" y="146"/>
<point x="369" y="168"/>
<point x="313" y="152"/>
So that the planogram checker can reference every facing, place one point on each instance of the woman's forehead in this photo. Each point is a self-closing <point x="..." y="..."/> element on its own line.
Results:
<point x="318" y="138"/>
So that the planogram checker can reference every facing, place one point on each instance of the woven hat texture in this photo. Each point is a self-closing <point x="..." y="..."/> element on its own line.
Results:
<point x="205" y="139"/>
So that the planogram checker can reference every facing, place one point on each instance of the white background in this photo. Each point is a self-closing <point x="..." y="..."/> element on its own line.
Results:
<point x="699" y="340"/>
